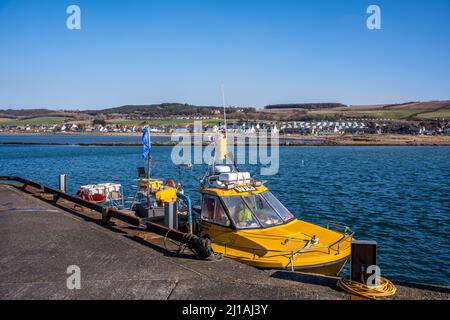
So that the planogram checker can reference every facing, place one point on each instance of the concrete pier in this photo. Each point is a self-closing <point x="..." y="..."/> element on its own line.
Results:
<point x="39" y="240"/>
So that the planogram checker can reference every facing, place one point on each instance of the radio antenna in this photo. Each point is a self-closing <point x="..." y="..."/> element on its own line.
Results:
<point x="224" y="109"/>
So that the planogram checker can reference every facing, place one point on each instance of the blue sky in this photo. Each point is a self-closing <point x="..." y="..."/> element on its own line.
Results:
<point x="264" y="52"/>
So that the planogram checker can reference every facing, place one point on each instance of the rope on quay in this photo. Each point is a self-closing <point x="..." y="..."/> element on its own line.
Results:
<point x="385" y="289"/>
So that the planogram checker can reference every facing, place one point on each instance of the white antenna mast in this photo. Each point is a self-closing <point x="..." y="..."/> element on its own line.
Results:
<point x="224" y="112"/>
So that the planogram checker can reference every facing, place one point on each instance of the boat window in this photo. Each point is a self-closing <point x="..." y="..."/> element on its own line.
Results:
<point x="208" y="208"/>
<point x="263" y="211"/>
<point x="213" y="211"/>
<point x="285" y="214"/>
<point x="240" y="213"/>
<point x="220" y="216"/>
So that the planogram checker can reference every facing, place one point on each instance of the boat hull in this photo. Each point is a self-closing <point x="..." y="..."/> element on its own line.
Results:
<point x="331" y="268"/>
<point x="269" y="249"/>
<point x="328" y="269"/>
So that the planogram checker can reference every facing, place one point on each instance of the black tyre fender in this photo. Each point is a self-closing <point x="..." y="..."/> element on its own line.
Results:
<point x="201" y="246"/>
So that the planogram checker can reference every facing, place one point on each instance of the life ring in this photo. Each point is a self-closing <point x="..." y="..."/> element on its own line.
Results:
<point x="171" y="183"/>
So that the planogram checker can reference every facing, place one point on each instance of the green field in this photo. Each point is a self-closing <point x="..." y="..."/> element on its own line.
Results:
<point x="163" y="122"/>
<point x="439" y="114"/>
<point x="33" y="121"/>
<point x="403" y="113"/>
<point x="60" y="120"/>
<point x="408" y="111"/>
<point x="395" y="114"/>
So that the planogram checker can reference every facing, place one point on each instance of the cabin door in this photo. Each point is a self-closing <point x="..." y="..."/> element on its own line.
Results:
<point x="215" y="222"/>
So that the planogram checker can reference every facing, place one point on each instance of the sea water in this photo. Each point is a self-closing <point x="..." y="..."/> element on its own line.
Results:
<point x="397" y="196"/>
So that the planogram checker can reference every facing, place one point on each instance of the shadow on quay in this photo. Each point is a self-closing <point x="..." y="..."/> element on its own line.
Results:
<point x="320" y="280"/>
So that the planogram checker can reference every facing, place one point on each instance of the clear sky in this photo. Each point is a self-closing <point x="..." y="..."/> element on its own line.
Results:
<point x="264" y="52"/>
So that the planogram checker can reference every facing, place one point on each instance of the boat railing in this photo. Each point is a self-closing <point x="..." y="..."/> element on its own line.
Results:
<point x="346" y="232"/>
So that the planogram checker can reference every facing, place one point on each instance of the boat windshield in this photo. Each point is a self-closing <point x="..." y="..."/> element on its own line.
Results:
<point x="240" y="213"/>
<point x="285" y="214"/>
<point x="262" y="210"/>
<point x="256" y="210"/>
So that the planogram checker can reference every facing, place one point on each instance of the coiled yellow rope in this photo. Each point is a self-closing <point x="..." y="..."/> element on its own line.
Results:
<point x="385" y="289"/>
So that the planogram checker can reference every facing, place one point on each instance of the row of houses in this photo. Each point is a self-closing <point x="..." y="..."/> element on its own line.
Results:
<point x="74" y="128"/>
<point x="244" y="128"/>
<point x="250" y="127"/>
<point x="325" y="127"/>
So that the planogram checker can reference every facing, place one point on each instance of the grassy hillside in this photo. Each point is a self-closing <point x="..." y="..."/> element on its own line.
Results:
<point x="163" y="109"/>
<point x="33" y="121"/>
<point x="162" y="122"/>
<point x="405" y="111"/>
<point x="439" y="114"/>
<point x="415" y="111"/>
<point x="307" y="106"/>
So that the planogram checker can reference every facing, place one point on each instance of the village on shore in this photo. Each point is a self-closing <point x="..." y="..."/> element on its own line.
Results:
<point x="318" y="128"/>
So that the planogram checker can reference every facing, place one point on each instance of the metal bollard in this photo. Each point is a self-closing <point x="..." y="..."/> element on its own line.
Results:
<point x="364" y="255"/>
<point x="63" y="183"/>
<point x="170" y="215"/>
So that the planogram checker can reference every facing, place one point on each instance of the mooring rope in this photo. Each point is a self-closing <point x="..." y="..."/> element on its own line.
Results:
<point x="385" y="289"/>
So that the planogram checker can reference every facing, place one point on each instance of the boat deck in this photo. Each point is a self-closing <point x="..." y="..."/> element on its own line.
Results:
<point x="40" y="239"/>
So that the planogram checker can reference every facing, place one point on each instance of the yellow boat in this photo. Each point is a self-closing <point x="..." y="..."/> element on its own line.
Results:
<point x="247" y="223"/>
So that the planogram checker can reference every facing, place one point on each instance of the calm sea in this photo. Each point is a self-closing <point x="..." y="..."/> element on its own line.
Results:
<point x="104" y="139"/>
<point x="398" y="196"/>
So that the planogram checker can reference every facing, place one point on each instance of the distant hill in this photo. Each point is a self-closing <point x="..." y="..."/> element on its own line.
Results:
<point x="399" y="104"/>
<point x="163" y="109"/>
<point x="11" y="113"/>
<point x="40" y="114"/>
<point x="408" y="111"/>
<point x="307" y="106"/>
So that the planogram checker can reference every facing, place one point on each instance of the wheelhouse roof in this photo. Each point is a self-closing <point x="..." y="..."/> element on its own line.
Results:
<point x="237" y="191"/>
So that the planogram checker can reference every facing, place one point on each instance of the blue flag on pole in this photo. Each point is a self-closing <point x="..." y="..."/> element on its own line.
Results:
<point x="146" y="143"/>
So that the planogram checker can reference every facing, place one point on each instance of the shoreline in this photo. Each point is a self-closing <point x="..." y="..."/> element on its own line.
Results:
<point x="172" y="144"/>
<point x="286" y="140"/>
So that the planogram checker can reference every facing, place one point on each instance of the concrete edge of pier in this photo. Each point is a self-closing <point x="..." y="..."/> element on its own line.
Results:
<point x="41" y="239"/>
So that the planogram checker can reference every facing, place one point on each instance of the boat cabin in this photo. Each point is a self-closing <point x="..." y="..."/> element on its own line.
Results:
<point x="233" y="199"/>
